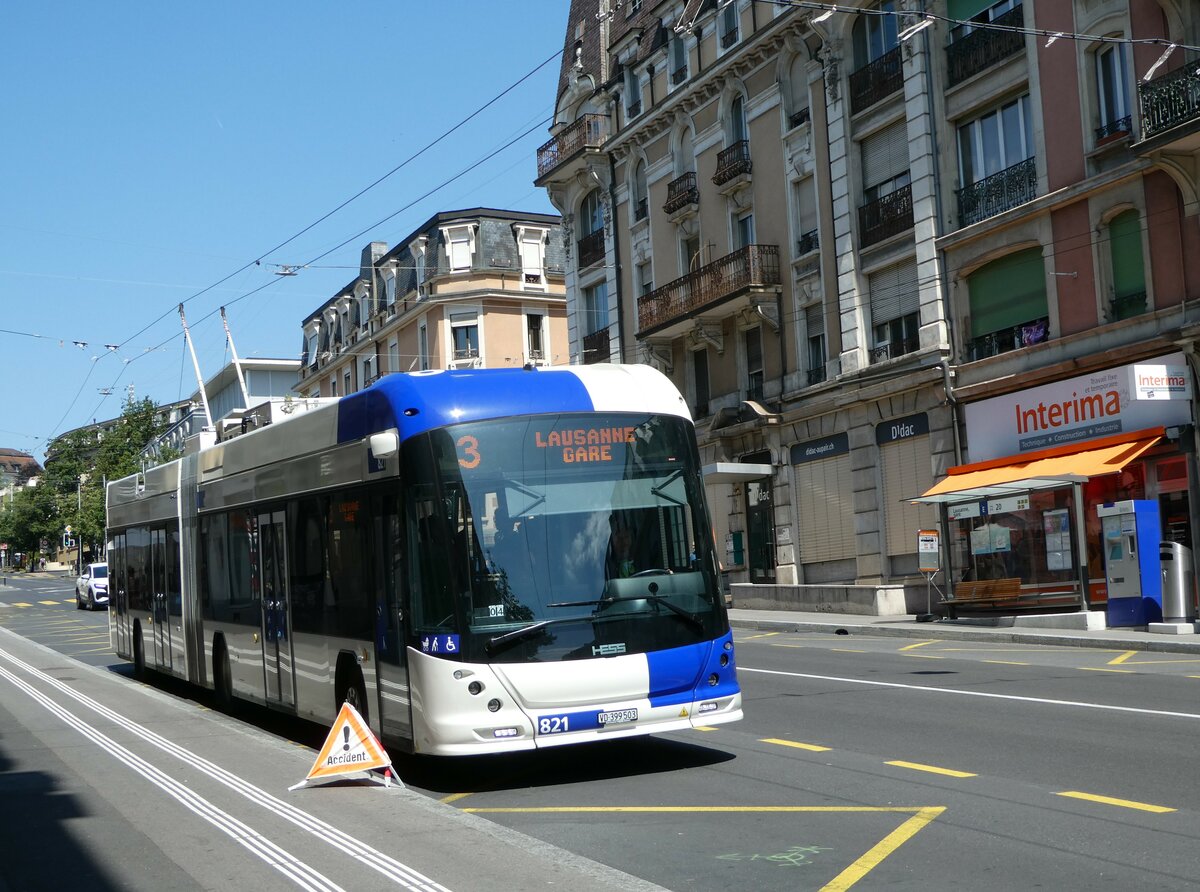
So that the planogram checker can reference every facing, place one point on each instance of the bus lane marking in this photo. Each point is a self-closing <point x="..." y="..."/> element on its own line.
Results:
<point x="920" y="817"/>
<point x="372" y="858"/>
<point x="1122" y="803"/>
<point x="987" y="695"/>
<point x="932" y="769"/>
<point x="811" y="747"/>
<point x="1121" y="658"/>
<point x="920" y="644"/>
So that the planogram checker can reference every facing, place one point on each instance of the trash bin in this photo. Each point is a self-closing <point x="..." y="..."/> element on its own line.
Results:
<point x="1178" y="578"/>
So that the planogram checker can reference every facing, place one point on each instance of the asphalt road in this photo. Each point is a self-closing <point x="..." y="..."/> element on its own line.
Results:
<point x="864" y="763"/>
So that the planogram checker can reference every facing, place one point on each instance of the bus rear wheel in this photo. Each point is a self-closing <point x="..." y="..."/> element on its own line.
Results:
<point x="351" y="689"/>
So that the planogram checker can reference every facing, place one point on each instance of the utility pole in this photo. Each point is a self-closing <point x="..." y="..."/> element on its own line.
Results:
<point x="79" y="514"/>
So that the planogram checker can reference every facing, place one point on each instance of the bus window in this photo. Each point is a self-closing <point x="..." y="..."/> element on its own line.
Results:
<point x="306" y="523"/>
<point x="350" y="594"/>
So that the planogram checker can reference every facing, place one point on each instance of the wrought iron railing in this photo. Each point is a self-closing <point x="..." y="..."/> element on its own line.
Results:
<point x="462" y="353"/>
<point x="1170" y="100"/>
<point x="980" y="48"/>
<point x="756" y="386"/>
<point x="875" y="80"/>
<point x="732" y="161"/>
<point x="641" y="210"/>
<point x="1112" y="128"/>
<point x="815" y="376"/>
<point x="681" y="192"/>
<point x="1024" y="335"/>
<point x="892" y="349"/>
<point x="807" y="243"/>
<point x="1128" y="305"/>
<point x="679" y="75"/>
<point x="595" y="347"/>
<point x="799" y="117"/>
<point x="886" y="216"/>
<point x="729" y="38"/>
<point x="587" y="132"/>
<point x="754" y="266"/>
<point x="998" y="193"/>
<point x="633" y="109"/>
<point x="591" y="248"/>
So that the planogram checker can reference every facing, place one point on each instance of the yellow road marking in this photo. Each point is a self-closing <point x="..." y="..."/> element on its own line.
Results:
<point x="70" y="600"/>
<point x="845" y="650"/>
<point x="698" y="809"/>
<point x="1194" y="676"/>
<point x="919" y="644"/>
<point x="926" y="656"/>
<point x="21" y="604"/>
<point x="454" y="797"/>
<point x="873" y="857"/>
<point x="932" y="769"/>
<point x="811" y="747"/>
<point x="1117" y="660"/>
<point x="1123" y="803"/>
<point x="763" y="635"/>
<point x="1102" y="669"/>
<point x="49" y="603"/>
<point x="704" y="728"/>
<point x="1158" y="662"/>
<point x="1005" y="662"/>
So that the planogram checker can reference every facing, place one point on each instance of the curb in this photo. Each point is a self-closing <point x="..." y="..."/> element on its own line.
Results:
<point x="948" y="633"/>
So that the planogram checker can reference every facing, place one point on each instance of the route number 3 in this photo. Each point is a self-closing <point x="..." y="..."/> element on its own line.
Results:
<point x="468" y="452"/>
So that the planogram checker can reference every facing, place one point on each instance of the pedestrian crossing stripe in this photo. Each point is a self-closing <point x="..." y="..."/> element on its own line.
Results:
<point x="351" y="747"/>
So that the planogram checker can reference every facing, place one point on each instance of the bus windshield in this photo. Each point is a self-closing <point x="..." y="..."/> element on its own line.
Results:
<point x="560" y="537"/>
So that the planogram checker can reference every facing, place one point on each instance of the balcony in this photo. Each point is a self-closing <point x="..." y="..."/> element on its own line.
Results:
<point x="641" y="210"/>
<point x="633" y="110"/>
<point x="1024" y="335"/>
<point x="875" y="80"/>
<point x="733" y="161"/>
<point x="679" y="75"/>
<point x="732" y="279"/>
<point x="591" y="248"/>
<point x="815" y="376"/>
<point x="893" y="349"/>
<point x="729" y="38"/>
<point x="799" y="117"/>
<point x="681" y="192"/>
<point x="1127" y="306"/>
<point x="1120" y="127"/>
<point x="884" y="217"/>
<point x="596" y="347"/>
<point x="807" y="243"/>
<point x="1171" y="109"/>
<point x="980" y="48"/>
<point x="587" y="132"/>
<point x="998" y="193"/>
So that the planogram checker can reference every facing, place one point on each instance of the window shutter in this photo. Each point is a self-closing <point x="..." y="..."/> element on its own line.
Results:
<point x="894" y="292"/>
<point x="826" y="510"/>
<point x="907" y="472"/>
<point x="1008" y="292"/>
<point x="814" y="321"/>
<point x="885" y="154"/>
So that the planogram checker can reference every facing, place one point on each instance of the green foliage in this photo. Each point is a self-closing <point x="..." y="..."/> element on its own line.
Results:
<point x="71" y="492"/>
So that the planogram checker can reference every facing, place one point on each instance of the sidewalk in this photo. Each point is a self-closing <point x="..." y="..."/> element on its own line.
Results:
<point x="1008" y="630"/>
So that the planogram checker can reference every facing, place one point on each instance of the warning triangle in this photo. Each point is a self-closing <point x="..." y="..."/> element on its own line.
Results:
<point x="351" y="747"/>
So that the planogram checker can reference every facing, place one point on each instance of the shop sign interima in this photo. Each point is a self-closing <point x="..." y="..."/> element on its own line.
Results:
<point x="1100" y="404"/>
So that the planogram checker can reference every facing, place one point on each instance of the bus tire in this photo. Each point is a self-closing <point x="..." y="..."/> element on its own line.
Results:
<point x="139" y="653"/>
<point x="222" y="678"/>
<point x="350" y="688"/>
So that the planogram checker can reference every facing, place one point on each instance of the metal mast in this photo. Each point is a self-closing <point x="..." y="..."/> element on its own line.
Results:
<point x="187" y="336"/>
<point x="237" y="365"/>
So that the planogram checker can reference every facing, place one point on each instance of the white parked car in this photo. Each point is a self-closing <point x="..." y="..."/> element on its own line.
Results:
<point x="91" y="589"/>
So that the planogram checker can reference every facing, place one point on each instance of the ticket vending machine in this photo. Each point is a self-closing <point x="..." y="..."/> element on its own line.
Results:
<point x="1131" y="533"/>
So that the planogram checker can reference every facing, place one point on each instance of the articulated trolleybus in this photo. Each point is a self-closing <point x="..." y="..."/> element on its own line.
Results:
<point x="479" y="561"/>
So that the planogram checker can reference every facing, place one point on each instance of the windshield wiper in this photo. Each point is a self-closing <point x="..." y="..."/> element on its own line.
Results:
<point x="501" y="641"/>
<point x="657" y="599"/>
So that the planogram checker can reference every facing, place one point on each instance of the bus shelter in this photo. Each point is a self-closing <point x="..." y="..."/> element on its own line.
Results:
<point x="1018" y="525"/>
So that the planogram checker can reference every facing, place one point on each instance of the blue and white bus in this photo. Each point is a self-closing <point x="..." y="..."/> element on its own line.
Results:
<point x="479" y="561"/>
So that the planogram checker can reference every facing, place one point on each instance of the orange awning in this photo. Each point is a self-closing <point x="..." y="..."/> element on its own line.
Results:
<point x="1045" y="469"/>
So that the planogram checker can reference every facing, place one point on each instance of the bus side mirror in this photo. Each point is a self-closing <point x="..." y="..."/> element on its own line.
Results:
<point x="384" y="444"/>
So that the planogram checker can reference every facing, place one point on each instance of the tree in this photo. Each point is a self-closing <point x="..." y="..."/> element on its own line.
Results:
<point x="71" y="492"/>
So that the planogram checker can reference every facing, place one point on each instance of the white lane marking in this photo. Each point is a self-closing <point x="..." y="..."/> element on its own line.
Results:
<point x="378" y="861"/>
<point x="243" y="834"/>
<point x="993" y="696"/>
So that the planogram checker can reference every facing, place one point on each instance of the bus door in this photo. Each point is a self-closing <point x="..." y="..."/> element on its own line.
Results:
<point x="174" y="602"/>
<point x="276" y="634"/>
<point x="158" y="592"/>
<point x="118" y="596"/>
<point x="395" y="704"/>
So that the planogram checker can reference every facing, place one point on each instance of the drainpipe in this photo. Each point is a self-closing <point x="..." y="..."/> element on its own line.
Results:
<point x="616" y="252"/>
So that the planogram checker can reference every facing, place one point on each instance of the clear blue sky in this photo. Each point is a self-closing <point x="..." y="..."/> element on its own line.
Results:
<point x="151" y="149"/>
